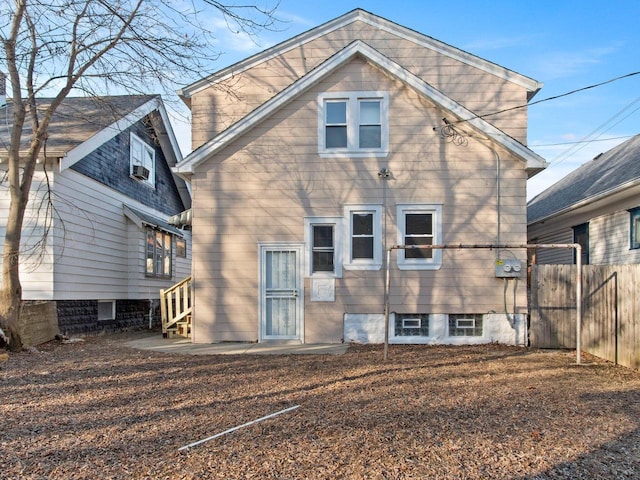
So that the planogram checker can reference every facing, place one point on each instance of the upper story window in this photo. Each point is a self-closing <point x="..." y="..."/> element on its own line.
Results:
<point x="635" y="227"/>
<point x="353" y="123"/>
<point x="419" y="225"/>
<point x="142" y="161"/>
<point x="364" y="237"/>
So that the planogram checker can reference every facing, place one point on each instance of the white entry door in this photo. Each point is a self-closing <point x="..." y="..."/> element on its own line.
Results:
<point x="281" y="293"/>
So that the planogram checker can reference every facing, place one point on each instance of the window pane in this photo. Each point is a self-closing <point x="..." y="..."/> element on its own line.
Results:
<point x="362" y="247"/>
<point x="323" y="261"/>
<point x="370" y="112"/>
<point x="336" y="137"/>
<point x="336" y="112"/>
<point x="323" y="236"/>
<point x="418" y="252"/>
<point x="370" y="136"/>
<point x="159" y="253"/>
<point x="362" y="223"/>
<point x="167" y="254"/>
<point x="150" y="251"/>
<point x="636" y="231"/>
<point x="418" y="224"/>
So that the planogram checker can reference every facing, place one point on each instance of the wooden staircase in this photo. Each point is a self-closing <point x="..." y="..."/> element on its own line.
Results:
<point x="175" y="310"/>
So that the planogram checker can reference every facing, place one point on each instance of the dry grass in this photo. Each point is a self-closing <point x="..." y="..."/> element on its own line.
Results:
<point x="100" y="410"/>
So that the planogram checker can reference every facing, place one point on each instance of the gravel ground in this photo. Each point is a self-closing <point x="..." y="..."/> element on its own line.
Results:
<point x="97" y="409"/>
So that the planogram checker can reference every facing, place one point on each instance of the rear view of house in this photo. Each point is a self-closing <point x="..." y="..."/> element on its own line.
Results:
<point x="97" y="246"/>
<point x="314" y="157"/>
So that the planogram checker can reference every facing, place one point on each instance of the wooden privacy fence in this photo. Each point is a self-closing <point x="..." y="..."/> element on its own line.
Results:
<point x="610" y="310"/>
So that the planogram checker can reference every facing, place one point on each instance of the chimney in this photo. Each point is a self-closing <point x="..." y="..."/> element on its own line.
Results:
<point x="3" y="89"/>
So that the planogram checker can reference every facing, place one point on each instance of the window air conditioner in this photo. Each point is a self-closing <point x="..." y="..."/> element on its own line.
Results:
<point x="140" y="172"/>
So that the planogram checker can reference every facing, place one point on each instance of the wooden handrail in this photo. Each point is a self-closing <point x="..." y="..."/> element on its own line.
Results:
<point x="175" y="304"/>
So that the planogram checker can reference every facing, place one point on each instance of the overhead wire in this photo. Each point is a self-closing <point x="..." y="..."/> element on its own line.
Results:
<point x="555" y="97"/>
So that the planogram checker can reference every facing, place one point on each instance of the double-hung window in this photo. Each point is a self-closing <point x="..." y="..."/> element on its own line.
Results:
<point x="142" y="161"/>
<point x="323" y="236"/>
<point x="419" y="225"/>
<point x="364" y="237"/>
<point x="159" y="252"/>
<point x="353" y="123"/>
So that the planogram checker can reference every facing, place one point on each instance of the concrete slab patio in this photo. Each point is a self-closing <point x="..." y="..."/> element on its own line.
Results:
<point x="184" y="346"/>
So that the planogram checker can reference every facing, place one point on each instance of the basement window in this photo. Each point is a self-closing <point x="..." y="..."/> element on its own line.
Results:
<point x="106" y="310"/>
<point x="465" y="325"/>
<point x="411" y="325"/>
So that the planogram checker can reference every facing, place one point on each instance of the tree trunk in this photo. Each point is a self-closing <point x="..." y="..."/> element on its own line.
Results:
<point x="11" y="290"/>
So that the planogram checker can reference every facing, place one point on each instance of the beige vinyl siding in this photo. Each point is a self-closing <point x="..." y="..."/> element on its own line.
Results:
<point x="260" y="189"/>
<point x="216" y="108"/>
<point x="36" y="261"/>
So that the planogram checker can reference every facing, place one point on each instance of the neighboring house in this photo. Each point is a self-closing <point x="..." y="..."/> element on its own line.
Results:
<point x="597" y="205"/>
<point x="314" y="156"/>
<point x="109" y="249"/>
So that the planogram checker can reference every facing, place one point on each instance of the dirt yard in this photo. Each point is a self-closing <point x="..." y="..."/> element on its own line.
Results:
<point x="97" y="409"/>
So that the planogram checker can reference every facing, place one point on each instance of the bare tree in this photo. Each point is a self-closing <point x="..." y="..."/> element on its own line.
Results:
<point x="93" y="47"/>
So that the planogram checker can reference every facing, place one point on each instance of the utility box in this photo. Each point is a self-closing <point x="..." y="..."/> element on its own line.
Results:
<point x="508" y="268"/>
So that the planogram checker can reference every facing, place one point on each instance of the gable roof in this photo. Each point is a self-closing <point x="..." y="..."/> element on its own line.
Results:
<point x="532" y="86"/>
<point x="82" y="124"/>
<point x="534" y="163"/>
<point x="608" y="173"/>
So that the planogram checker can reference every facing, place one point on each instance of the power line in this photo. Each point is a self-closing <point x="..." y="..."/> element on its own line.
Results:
<point x="549" y="98"/>
<point x="579" y="141"/>
<point x="600" y="130"/>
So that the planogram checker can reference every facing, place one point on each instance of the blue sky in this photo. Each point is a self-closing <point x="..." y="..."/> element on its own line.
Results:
<point x="566" y="45"/>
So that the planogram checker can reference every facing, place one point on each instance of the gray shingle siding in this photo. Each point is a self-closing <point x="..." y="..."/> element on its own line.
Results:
<point x="109" y="165"/>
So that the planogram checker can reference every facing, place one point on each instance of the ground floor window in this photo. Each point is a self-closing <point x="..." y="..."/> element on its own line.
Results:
<point x="465" y="325"/>
<point x="411" y="325"/>
<point x="158" y="255"/>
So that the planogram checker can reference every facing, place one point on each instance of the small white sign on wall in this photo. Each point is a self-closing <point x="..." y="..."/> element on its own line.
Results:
<point x="323" y="289"/>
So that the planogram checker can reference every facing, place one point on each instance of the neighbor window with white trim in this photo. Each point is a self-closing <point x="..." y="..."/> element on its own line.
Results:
<point x="323" y="236"/>
<point x="142" y="160"/>
<point x="354" y="123"/>
<point x="158" y="253"/>
<point x="364" y="237"/>
<point x="419" y="225"/>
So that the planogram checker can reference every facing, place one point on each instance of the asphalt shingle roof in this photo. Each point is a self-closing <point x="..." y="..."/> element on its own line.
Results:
<point x="76" y="120"/>
<point x="605" y="173"/>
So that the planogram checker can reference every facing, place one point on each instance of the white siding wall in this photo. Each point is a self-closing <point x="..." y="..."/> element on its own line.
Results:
<point x="104" y="252"/>
<point x="36" y="261"/>
<point x="93" y="252"/>
<point x="609" y="239"/>
<point x="556" y="255"/>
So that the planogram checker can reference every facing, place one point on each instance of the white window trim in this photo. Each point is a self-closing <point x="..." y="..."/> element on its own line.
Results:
<point x="151" y="181"/>
<point x="352" y="99"/>
<point x="338" y="239"/>
<point x="363" y="264"/>
<point x="433" y="263"/>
